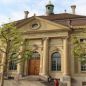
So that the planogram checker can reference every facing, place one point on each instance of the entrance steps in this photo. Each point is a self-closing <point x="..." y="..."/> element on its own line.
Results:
<point x="35" y="78"/>
<point x="41" y="79"/>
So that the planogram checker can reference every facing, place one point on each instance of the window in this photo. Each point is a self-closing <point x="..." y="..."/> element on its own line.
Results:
<point x="83" y="66"/>
<point x="35" y="55"/>
<point x="83" y="40"/>
<point x="83" y="62"/>
<point x="34" y="25"/>
<point x="56" y="61"/>
<point x="12" y="65"/>
<point x="48" y="7"/>
<point x="84" y="83"/>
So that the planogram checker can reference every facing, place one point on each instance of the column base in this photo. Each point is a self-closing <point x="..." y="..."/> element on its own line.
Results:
<point x="66" y="80"/>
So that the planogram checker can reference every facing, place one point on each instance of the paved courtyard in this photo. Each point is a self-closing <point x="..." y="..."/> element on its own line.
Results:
<point x="28" y="81"/>
<point x="22" y="83"/>
<point x="25" y="83"/>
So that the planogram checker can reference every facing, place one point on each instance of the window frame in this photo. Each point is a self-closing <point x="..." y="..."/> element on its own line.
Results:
<point x="12" y="66"/>
<point x="57" y="64"/>
<point x="82" y="67"/>
<point x="35" y="55"/>
<point x="82" y="40"/>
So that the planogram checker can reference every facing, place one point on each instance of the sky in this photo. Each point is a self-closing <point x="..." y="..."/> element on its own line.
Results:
<point x="11" y="10"/>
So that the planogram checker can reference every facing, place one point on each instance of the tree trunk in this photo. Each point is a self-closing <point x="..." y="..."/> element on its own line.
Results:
<point x="3" y="69"/>
<point x="2" y="76"/>
<point x="4" y="61"/>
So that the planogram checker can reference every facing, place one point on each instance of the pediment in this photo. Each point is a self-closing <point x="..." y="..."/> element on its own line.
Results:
<point x="39" y="24"/>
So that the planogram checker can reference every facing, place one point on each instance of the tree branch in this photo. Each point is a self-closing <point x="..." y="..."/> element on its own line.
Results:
<point x="2" y="50"/>
<point x="3" y="35"/>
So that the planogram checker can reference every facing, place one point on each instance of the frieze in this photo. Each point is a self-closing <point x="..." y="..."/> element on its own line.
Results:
<point x="43" y="35"/>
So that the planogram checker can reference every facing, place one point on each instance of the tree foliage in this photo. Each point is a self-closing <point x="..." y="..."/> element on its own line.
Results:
<point x="11" y="41"/>
<point x="11" y="45"/>
<point x="79" y="49"/>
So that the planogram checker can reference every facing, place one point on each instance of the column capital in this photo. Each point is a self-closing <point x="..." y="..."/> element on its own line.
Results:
<point x="66" y="37"/>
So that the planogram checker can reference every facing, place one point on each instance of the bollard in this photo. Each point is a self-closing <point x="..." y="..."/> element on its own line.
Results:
<point x="56" y="82"/>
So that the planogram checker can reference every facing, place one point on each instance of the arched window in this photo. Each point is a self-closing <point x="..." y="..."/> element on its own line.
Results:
<point x="56" y="61"/>
<point x="12" y="65"/>
<point x="35" y="55"/>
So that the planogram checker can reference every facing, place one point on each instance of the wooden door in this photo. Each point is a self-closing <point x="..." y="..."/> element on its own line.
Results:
<point x="34" y="66"/>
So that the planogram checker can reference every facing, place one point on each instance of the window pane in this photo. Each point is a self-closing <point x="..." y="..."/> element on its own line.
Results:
<point x="56" y="61"/>
<point x="35" y="55"/>
<point x="83" y="67"/>
<point x="12" y="65"/>
<point x="53" y="65"/>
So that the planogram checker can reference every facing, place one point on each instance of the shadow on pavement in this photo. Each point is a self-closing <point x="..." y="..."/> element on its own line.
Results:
<point x="47" y="83"/>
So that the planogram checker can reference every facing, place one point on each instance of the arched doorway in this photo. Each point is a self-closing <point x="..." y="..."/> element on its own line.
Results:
<point x="34" y="64"/>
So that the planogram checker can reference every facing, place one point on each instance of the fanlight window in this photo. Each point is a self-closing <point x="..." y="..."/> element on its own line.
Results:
<point x="35" y="55"/>
<point x="56" y="61"/>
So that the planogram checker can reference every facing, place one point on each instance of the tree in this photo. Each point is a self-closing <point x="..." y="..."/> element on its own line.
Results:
<point x="79" y="49"/>
<point x="10" y="44"/>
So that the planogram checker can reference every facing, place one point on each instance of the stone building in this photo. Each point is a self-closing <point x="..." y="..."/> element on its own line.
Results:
<point x="49" y="37"/>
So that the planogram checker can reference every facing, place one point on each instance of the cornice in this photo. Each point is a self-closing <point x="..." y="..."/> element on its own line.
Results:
<point x="45" y="31"/>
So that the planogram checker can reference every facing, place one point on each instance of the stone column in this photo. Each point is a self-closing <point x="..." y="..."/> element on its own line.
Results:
<point x="66" y="58"/>
<point x="41" y="62"/>
<point x="66" y="77"/>
<point x="19" y="65"/>
<point x="45" y="56"/>
<point x="26" y="68"/>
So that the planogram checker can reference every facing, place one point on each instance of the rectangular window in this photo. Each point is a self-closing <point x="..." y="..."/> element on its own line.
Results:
<point x="83" y="83"/>
<point x="83" y="67"/>
<point x="83" y="40"/>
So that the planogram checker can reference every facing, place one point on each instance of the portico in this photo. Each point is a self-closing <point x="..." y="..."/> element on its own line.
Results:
<point x="45" y="47"/>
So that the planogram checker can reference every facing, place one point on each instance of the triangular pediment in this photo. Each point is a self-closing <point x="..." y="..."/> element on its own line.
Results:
<point x="39" y="24"/>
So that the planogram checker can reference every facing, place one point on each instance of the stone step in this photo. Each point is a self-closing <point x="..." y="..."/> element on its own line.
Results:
<point x="31" y="77"/>
<point x="41" y="79"/>
<point x="35" y="77"/>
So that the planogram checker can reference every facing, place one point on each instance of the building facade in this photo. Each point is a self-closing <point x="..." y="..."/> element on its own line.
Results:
<point x="50" y="39"/>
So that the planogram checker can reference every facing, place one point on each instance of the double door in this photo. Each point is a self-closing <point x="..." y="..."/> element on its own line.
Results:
<point x="34" y="66"/>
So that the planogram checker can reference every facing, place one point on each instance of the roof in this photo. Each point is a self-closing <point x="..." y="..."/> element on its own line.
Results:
<point x="66" y="19"/>
<point x="62" y="18"/>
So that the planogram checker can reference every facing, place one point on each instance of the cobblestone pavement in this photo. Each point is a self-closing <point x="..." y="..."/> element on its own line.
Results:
<point x="25" y="83"/>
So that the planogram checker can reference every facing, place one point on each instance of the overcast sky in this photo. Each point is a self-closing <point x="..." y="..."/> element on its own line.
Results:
<point x="14" y="9"/>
